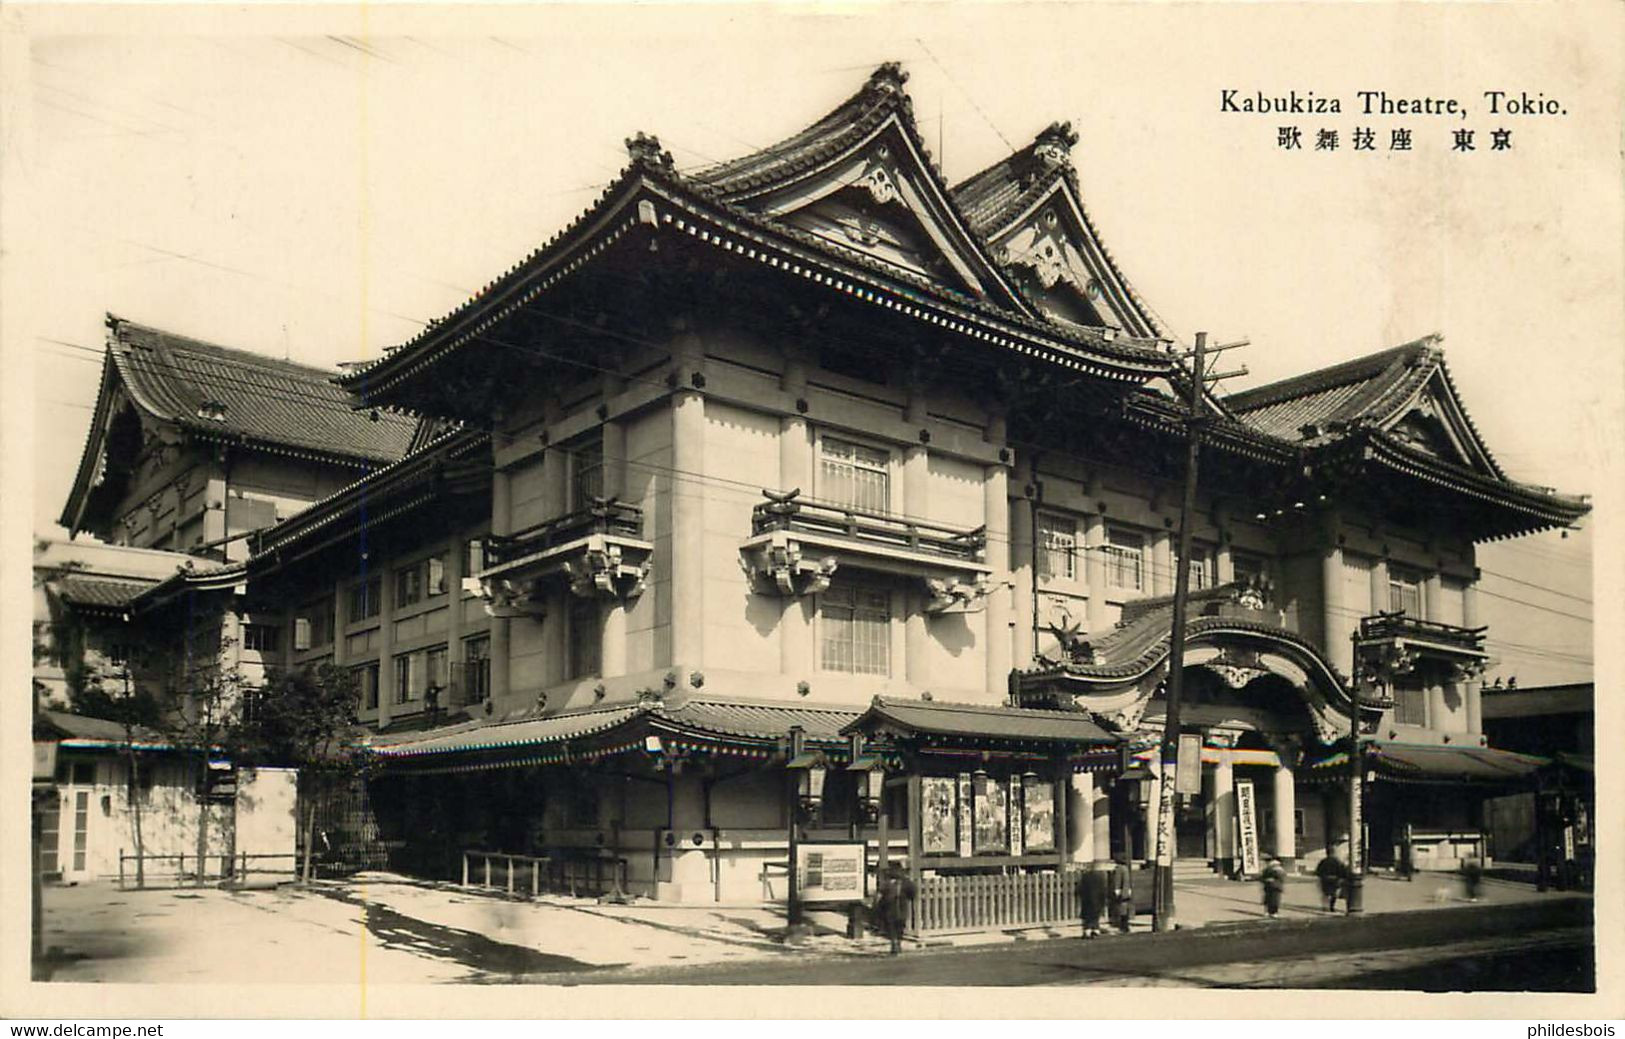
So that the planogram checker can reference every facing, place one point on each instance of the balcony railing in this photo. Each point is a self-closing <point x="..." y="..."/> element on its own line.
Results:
<point x="609" y="516"/>
<point x="1389" y="626"/>
<point x="807" y="516"/>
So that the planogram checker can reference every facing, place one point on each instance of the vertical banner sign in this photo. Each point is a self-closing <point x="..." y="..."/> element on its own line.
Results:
<point x="1165" y="813"/>
<point x="966" y="820"/>
<point x="1190" y="764"/>
<point x="1018" y="816"/>
<point x="1247" y="827"/>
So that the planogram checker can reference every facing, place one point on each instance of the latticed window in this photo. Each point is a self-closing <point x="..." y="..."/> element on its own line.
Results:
<point x="1057" y="546"/>
<point x="1410" y="705"/>
<point x="1200" y="566"/>
<point x="586" y="473"/>
<point x="1405" y="591"/>
<point x="1125" y="559"/>
<point x="365" y="599"/>
<point x="586" y="637"/>
<point x="855" y="475"/>
<point x="854" y="624"/>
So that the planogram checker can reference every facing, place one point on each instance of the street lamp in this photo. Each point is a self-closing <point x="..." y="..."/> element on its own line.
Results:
<point x="807" y="770"/>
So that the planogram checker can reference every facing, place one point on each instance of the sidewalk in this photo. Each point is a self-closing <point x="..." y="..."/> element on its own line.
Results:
<point x="385" y="929"/>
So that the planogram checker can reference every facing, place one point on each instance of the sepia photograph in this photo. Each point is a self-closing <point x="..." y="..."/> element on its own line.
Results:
<point x="698" y="497"/>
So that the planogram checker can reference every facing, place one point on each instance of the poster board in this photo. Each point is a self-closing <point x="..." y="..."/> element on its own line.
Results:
<point x="1188" y="778"/>
<point x="831" y="871"/>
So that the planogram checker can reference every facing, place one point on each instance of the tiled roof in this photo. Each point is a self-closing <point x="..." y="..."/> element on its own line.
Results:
<point x="87" y="732"/>
<point x="758" y="720"/>
<point x="1428" y="763"/>
<point x="1365" y="388"/>
<point x="215" y="391"/>
<point x="502" y="736"/>
<point x="989" y="199"/>
<point x="846" y="124"/>
<point x="933" y="718"/>
<point x="98" y="592"/>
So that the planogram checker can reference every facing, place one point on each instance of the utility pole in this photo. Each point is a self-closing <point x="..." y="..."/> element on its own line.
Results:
<point x="1168" y="760"/>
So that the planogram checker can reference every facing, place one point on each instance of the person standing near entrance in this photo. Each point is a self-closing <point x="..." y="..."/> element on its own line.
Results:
<point x="1122" y="894"/>
<point x="1092" y="884"/>
<point x="895" y="900"/>
<point x="1332" y="874"/>
<point x="1274" y="880"/>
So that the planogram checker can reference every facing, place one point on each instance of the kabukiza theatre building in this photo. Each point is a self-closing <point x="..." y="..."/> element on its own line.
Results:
<point x="810" y="498"/>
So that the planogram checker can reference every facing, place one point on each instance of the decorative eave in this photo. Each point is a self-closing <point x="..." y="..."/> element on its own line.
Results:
<point x="880" y="106"/>
<point x="190" y="580"/>
<point x="1049" y="154"/>
<point x="1158" y="413"/>
<point x="654" y="199"/>
<point x="384" y="494"/>
<point x="1529" y="508"/>
<point x="89" y="459"/>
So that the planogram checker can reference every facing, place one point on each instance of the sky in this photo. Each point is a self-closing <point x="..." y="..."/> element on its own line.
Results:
<point x="319" y="185"/>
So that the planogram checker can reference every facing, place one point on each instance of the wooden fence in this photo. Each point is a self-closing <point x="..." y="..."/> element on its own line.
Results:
<point x="982" y="901"/>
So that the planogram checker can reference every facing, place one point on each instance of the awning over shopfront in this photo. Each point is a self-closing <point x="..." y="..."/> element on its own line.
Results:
<point x="1439" y="764"/>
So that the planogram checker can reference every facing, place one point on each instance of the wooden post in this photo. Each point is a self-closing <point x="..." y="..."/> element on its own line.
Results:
<point x="487" y="859"/>
<point x="465" y="868"/>
<point x="121" y="869"/>
<point x="1063" y="841"/>
<point x="916" y="837"/>
<point x="535" y="878"/>
<point x="510" y="876"/>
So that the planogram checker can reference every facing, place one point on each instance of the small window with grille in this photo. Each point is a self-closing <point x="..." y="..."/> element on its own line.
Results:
<point x="854" y="475"/>
<point x="855" y="629"/>
<point x="1057" y="546"/>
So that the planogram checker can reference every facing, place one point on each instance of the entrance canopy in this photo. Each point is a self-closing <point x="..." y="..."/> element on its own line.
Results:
<point x="1439" y="764"/>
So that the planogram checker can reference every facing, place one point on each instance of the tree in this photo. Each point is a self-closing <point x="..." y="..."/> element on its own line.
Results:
<point x="306" y="719"/>
<point x="204" y="718"/>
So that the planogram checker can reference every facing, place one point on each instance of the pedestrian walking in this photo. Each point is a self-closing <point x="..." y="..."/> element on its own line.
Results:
<point x="1274" y="881"/>
<point x="1122" y="894"/>
<point x="1332" y="874"/>
<point x="895" y="900"/>
<point x="1092" y="888"/>
<point x="1472" y="875"/>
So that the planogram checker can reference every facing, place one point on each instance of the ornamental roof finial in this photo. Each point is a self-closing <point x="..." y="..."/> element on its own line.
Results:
<point x="887" y="79"/>
<point x="645" y="150"/>
<point x="1054" y="144"/>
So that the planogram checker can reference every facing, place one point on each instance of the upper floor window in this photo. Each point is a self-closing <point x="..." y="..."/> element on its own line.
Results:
<point x="366" y="597"/>
<point x="586" y="637"/>
<point x="1057" y="546"/>
<point x="424" y="578"/>
<point x="313" y="625"/>
<point x="586" y="472"/>
<point x="1410" y="705"/>
<point x="476" y="675"/>
<point x="473" y="556"/>
<point x="408" y="679"/>
<point x="1405" y="591"/>
<point x="854" y="622"/>
<point x="262" y="638"/>
<point x="1248" y="568"/>
<point x="366" y="676"/>
<point x="1125" y="559"/>
<point x="1201" y="567"/>
<point x="855" y="475"/>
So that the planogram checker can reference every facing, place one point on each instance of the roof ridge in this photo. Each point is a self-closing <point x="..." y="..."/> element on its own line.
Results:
<point x="184" y="341"/>
<point x="1342" y="373"/>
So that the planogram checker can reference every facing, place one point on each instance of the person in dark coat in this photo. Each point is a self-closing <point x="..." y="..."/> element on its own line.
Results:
<point x="1121" y="892"/>
<point x="1472" y="875"/>
<point x="1092" y="885"/>
<point x="1332" y="874"/>
<point x="895" y="899"/>
<point x="1274" y="881"/>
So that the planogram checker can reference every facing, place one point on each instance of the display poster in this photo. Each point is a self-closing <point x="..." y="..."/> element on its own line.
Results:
<point x="1188" y="779"/>
<point x="965" y="820"/>
<point x="939" y="819"/>
<point x="1018" y="815"/>
<point x="993" y="817"/>
<point x="1247" y="827"/>
<point x="1357" y="826"/>
<point x="1038" y="816"/>
<point x="831" y="872"/>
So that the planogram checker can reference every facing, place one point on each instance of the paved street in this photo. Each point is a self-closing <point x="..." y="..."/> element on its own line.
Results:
<point x="383" y="929"/>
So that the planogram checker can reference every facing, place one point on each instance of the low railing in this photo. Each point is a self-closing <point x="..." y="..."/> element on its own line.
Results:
<point x="603" y="516"/>
<point x="134" y="869"/>
<point x="1400" y="625"/>
<point x="808" y="516"/>
<point x="977" y="902"/>
<point x="573" y="872"/>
